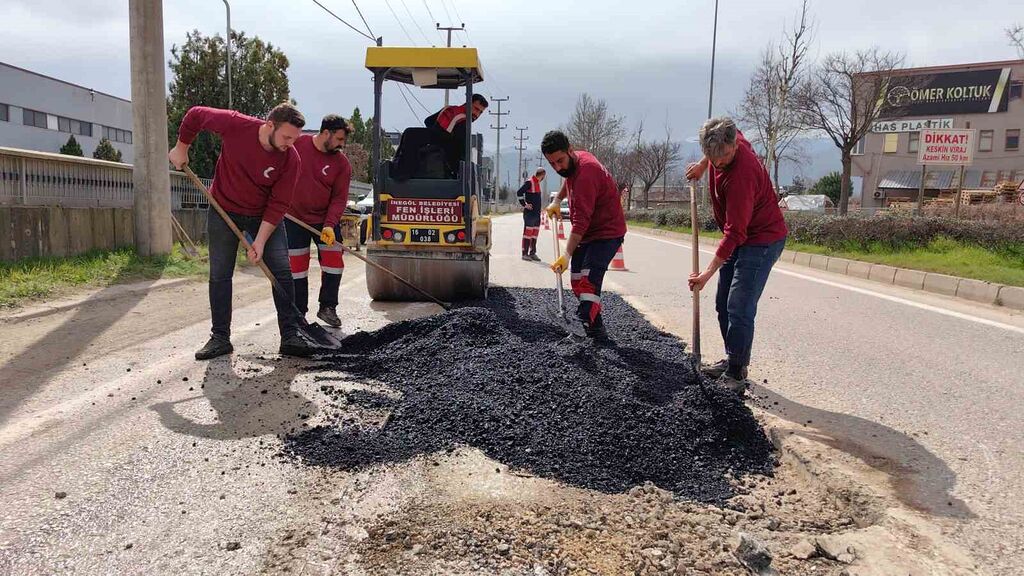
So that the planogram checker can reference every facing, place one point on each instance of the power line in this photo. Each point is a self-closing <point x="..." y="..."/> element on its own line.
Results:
<point x="413" y="94"/>
<point x="342" y="20"/>
<point x="360" y="12"/>
<point x="432" y="19"/>
<point x="447" y="13"/>
<point x="413" y="18"/>
<point x="400" y="25"/>
<point x="411" y="109"/>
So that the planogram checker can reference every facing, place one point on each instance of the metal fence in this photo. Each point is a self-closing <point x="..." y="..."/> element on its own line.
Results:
<point x="29" y="178"/>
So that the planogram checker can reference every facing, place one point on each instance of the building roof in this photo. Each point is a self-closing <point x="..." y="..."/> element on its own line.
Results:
<point x="911" y="180"/>
<point x="64" y="82"/>
<point x="946" y="68"/>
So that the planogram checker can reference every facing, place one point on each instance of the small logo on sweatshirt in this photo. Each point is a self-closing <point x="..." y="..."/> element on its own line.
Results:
<point x="266" y="173"/>
<point x="324" y="171"/>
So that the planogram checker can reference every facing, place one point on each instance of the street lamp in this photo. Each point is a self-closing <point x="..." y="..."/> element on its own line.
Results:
<point x="227" y="45"/>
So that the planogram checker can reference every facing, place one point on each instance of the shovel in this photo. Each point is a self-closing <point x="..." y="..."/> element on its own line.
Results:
<point x="695" y="227"/>
<point x="348" y="250"/>
<point x="314" y="331"/>
<point x="571" y="327"/>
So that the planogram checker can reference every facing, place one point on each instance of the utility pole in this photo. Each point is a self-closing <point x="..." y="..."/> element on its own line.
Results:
<point x="497" y="149"/>
<point x="151" y="179"/>
<point x="711" y="86"/>
<point x="227" y="47"/>
<point x="520" y="139"/>
<point x="448" y="29"/>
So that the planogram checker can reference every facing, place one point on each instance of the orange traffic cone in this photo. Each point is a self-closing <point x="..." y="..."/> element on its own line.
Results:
<point x="561" y="230"/>
<point x="544" y="220"/>
<point x="619" y="261"/>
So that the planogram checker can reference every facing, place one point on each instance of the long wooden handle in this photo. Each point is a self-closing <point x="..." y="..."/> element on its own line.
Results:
<point x="695" y="227"/>
<point x="231" y="224"/>
<point x="349" y="251"/>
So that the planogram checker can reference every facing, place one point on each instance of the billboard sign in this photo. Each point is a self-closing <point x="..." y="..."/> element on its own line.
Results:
<point x="968" y="92"/>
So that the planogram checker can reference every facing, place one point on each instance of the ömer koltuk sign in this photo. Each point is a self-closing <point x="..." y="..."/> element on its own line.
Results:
<point x="946" y="147"/>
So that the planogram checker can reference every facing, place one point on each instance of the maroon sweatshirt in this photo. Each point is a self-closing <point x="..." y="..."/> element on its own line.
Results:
<point x="594" y="207"/>
<point x="249" y="180"/>
<point x="744" y="202"/>
<point x="322" y="191"/>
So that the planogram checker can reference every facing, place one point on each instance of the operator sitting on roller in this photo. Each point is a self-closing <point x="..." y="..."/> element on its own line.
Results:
<point x="449" y="124"/>
<point x="598" y="225"/>
<point x="320" y="198"/>
<point x="529" y="198"/>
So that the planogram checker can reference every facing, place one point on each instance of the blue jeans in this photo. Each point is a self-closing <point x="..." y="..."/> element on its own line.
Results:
<point x="224" y="249"/>
<point x="740" y="283"/>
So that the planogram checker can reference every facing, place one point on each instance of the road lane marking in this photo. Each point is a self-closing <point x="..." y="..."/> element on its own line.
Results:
<point x="865" y="291"/>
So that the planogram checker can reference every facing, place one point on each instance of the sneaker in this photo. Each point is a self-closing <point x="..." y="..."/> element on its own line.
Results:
<point x="295" y="345"/>
<point x="534" y="257"/>
<point x="715" y="370"/>
<point x="728" y="381"/>
<point x="329" y="315"/>
<point x="215" y="347"/>
<point x="527" y="257"/>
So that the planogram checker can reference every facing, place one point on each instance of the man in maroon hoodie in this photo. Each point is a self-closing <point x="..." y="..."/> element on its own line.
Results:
<point x="598" y="226"/>
<point x="255" y="177"/>
<point x="320" y="198"/>
<point x="746" y="209"/>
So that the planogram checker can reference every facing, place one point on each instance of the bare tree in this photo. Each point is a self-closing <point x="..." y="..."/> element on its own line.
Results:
<point x="653" y="159"/>
<point x="1015" y="34"/>
<point x="769" y="105"/>
<point x="593" y="128"/>
<point x="843" y="98"/>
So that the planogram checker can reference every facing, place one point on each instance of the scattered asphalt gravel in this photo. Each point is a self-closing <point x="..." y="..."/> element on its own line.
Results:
<point x="501" y="376"/>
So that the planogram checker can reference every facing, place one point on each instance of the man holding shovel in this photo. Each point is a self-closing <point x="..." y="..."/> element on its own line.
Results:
<point x="753" y="236"/>
<point x="255" y="178"/>
<point x="320" y="198"/>
<point x="598" y="225"/>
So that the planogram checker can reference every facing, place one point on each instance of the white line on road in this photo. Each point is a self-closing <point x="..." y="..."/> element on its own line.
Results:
<point x="865" y="291"/>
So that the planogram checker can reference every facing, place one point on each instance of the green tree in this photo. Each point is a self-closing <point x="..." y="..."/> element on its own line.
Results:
<point x="830" y="185"/>
<point x="259" y="81"/>
<point x="72" y="147"/>
<point x="106" y="151"/>
<point x="362" y="136"/>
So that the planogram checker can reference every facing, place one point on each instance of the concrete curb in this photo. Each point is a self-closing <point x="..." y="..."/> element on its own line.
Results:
<point x="103" y="295"/>
<point x="1011" y="297"/>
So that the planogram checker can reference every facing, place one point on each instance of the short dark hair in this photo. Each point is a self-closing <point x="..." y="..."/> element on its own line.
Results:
<point x="286" y="112"/>
<point x="480" y="98"/>
<point x="554" y="141"/>
<point x="333" y="122"/>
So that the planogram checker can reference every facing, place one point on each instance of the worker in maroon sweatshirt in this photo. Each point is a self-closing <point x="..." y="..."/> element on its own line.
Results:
<point x="746" y="209"/>
<point x="254" y="182"/>
<point x="449" y="126"/>
<point x="320" y="198"/>
<point x="598" y="226"/>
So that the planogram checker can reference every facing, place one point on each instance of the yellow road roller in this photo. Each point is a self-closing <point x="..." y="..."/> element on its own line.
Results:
<point x="426" y="225"/>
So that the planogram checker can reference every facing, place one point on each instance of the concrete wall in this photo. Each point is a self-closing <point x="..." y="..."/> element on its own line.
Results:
<point x="39" y="231"/>
<point x="21" y="89"/>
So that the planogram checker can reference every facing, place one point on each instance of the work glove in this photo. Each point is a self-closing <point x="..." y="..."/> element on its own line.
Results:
<point x="560" y="265"/>
<point x="327" y="235"/>
<point x="554" y="210"/>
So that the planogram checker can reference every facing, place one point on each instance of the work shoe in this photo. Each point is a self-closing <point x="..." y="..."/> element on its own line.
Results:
<point x="728" y="381"/>
<point x="527" y="257"/>
<point x="295" y="345"/>
<point x="215" y="347"/>
<point x="329" y="315"/>
<point x="715" y="370"/>
<point x="534" y="257"/>
<point x="599" y="335"/>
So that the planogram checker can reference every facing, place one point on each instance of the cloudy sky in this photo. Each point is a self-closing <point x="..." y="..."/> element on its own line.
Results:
<point x="648" y="58"/>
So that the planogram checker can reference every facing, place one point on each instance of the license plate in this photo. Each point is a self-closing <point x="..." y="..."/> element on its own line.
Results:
<point x="425" y="235"/>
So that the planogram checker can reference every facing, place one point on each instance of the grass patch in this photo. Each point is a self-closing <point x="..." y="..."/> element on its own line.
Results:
<point x="36" y="278"/>
<point x="942" y="255"/>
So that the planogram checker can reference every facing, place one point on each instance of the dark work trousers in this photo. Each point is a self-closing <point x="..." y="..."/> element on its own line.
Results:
<point x="224" y="249"/>
<point x="741" y="281"/>
<point x="331" y="264"/>
<point x="587" y="268"/>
